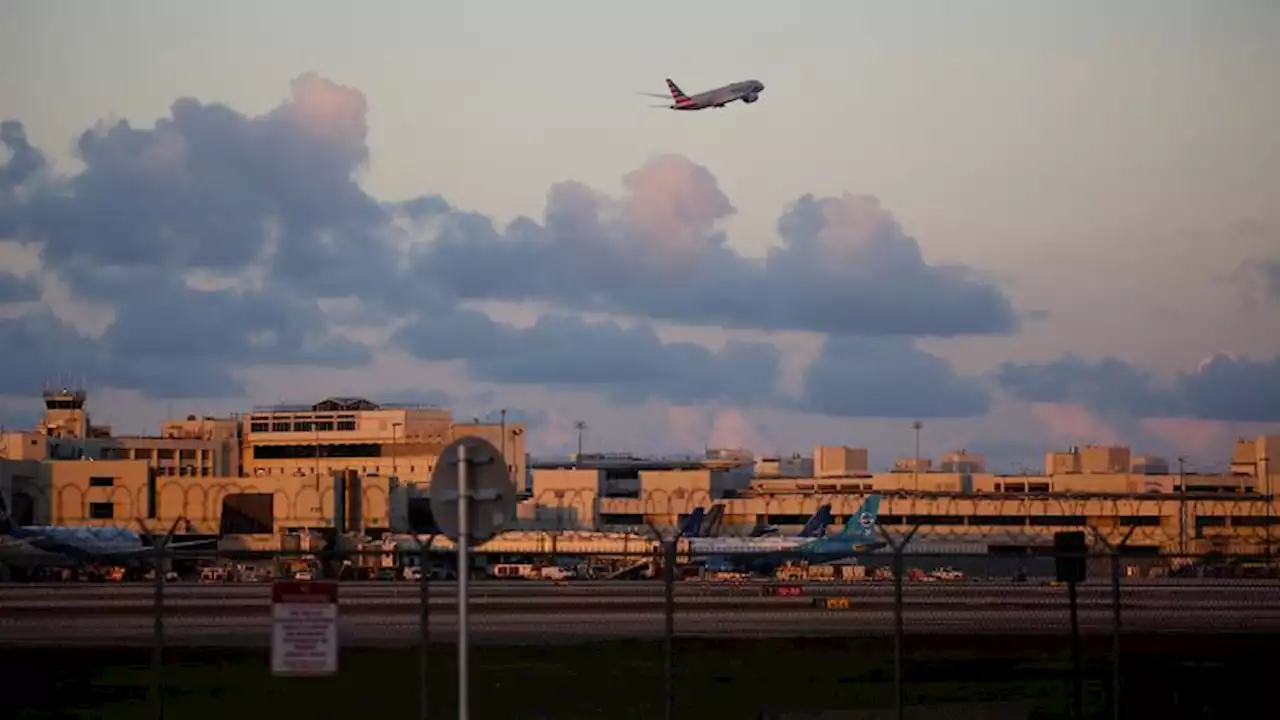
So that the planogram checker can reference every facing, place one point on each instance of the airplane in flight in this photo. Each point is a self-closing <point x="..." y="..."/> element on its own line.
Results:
<point x="748" y="91"/>
<point x="56" y="545"/>
<point x="766" y="554"/>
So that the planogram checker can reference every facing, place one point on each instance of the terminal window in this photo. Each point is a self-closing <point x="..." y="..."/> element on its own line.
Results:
<point x="247" y="514"/>
<point x="102" y="511"/>
<point x="102" y="481"/>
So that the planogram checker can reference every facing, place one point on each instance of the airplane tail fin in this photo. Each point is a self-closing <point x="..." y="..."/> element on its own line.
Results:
<point x="863" y="522"/>
<point x="693" y="523"/>
<point x="677" y="94"/>
<point x="817" y="524"/>
<point x="715" y="516"/>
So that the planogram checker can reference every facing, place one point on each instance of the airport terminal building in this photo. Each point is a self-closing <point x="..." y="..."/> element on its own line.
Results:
<point x="353" y="466"/>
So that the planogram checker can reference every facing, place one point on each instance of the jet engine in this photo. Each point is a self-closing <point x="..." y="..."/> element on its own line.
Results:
<point x="750" y="98"/>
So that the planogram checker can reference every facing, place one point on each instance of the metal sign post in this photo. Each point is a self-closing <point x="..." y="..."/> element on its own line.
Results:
<point x="464" y="574"/>
<point x="472" y="473"/>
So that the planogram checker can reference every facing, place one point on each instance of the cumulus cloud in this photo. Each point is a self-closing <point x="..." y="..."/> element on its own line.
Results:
<point x="1270" y="271"/>
<point x="15" y="288"/>
<point x="206" y="189"/>
<point x="24" y="161"/>
<point x="1221" y="388"/>
<point x="844" y="266"/>
<point x="215" y="241"/>
<point x="887" y="378"/>
<point x="630" y="364"/>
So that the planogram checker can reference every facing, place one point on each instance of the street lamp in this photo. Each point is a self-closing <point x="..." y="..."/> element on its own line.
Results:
<point x="503" y="431"/>
<point x="581" y="427"/>
<point x="395" y="449"/>
<point x="1182" y="508"/>
<point x="915" y="467"/>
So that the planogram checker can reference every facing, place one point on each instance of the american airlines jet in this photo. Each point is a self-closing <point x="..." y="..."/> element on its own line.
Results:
<point x="748" y="91"/>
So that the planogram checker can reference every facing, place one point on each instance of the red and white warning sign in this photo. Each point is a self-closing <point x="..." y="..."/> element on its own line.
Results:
<point x="304" y="634"/>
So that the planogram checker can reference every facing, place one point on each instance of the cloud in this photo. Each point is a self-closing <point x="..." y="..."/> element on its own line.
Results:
<point x="216" y="241"/>
<point x="1270" y="271"/>
<point x="166" y="226"/>
<point x="629" y="364"/>
<point x="845" y="266"/>
<point x="15" y="288"/>
<point x="24" y="161"/>
<point x="37" y="347"/>
<point x="1071" y="424"/>
<point x="886" y="378"/>
<point x="1221" y="388"/>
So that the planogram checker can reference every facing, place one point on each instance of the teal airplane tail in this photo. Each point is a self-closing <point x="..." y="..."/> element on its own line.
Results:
<point x="862" y="523"/>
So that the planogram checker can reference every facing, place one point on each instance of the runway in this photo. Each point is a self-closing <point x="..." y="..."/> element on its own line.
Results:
<point x="517" y="612"/>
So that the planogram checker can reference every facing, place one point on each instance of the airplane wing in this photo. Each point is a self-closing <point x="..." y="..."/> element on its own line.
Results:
<point x="664" y="96"/>
<point x="145" y="550"/>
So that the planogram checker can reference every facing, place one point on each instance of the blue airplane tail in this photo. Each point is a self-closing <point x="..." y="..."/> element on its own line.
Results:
<point x="862" y="523"/>
<point x="817" y="524"/>
<point x="693" y="523"/>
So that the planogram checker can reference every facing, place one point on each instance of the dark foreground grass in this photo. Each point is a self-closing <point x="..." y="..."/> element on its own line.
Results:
<point x="1163" y="677"/>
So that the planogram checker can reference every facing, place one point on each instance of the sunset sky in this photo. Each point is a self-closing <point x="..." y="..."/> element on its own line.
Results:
<point x="1027" y="225"/>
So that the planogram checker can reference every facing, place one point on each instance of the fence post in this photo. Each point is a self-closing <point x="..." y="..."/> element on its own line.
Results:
<point x="424" y="619"/>
<point x="899" y="629"/>
<point x="1114" y="553"/>
<point x="669" y="628"/>
<point x="157" y="637"/>
<point x="158" y="546"/>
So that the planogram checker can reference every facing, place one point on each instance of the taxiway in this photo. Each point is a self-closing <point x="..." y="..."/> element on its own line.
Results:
<point x="390" y="614"/>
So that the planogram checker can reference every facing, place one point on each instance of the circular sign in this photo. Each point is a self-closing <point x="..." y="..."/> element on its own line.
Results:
<point x="491" y="491"/>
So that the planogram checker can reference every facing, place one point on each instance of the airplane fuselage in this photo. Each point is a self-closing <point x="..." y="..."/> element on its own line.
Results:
<point x="84" y="538"/>
<point x="747" y="91"/>
<point x="766" y="554"/>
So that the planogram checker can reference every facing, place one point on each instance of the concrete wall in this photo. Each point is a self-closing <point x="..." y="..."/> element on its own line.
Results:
<point x="81" y="491"/>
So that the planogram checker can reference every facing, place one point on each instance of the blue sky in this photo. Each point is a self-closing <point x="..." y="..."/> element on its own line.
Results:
<point x="1106" y="173"/>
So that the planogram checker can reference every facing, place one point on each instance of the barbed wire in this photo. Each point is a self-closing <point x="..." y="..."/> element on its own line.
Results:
<point x="1188" y="522"/>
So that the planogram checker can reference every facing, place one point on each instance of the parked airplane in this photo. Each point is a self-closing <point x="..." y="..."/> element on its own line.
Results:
<point x="765" y="554"/>
<point x="36" y="543"/>
<point x="748" y="91"/>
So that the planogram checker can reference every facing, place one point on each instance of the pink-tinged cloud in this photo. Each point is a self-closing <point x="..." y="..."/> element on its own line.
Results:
<point x="1074" y="424"/>
<point x="335" y="113"/>
<point x="686" y="425"/>
<point x="673" y="202"/>
<point x="733" y="429"/>
<point x="695" y="429"/>
<point x="1197" y="438"/>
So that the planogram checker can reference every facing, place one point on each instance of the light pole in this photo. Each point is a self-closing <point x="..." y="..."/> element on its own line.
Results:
<point x="1182" y="509"/>
<point x="581" y="427"/>
<point x="915" y="467"/>
<point x="1263" y="466"/>
<point x="395" y="449"/>
<point x="503" y="430"/>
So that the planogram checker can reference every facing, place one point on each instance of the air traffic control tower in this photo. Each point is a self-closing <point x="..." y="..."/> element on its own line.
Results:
<point x="64" y="413"/>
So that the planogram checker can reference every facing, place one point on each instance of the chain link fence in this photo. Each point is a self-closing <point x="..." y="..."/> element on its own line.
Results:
<point x="909" y="603"/>
<point x="899" y="595"/>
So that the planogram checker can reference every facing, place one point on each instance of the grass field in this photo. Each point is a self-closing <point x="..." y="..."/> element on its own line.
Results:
<point x="714" y="679"/>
